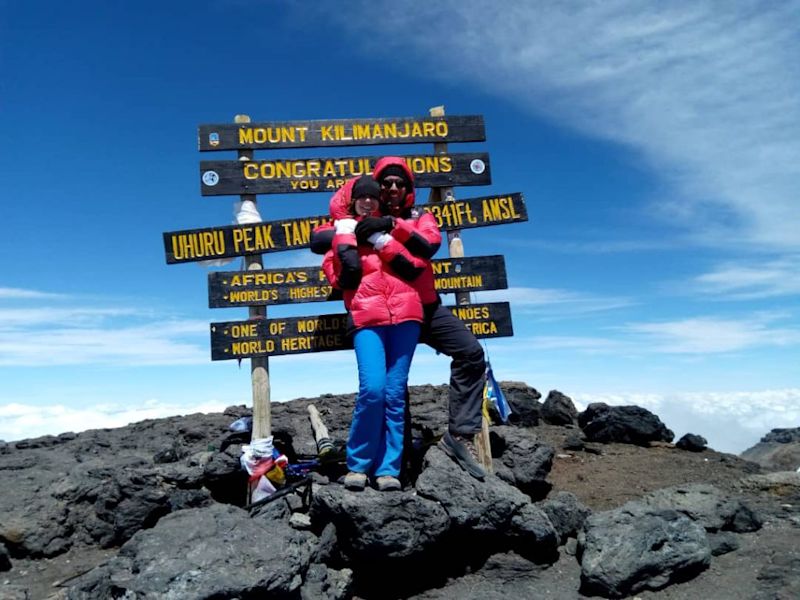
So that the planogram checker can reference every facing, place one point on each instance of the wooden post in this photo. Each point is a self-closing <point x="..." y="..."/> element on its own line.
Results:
<point x="259" y="365"/>
<point x="456" y="250"/>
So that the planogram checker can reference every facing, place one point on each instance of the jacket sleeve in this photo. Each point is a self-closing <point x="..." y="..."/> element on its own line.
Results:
<point x="421" y="237"/>
<point x="322" y="238"/>
<point x="342" y="263"/>
<point x="403" y="263"/>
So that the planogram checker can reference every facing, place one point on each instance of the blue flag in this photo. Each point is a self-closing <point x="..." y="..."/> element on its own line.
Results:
<point x="494" y="395"/>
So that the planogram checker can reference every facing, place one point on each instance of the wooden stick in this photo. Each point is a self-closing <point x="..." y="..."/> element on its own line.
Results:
<point x="259" y="365"/>
<point x="456" y="250"/>
<point x="324" y="442"/>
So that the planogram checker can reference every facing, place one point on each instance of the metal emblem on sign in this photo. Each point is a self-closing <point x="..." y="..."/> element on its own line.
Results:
<point x="477" y="166"/>
<point x="210" y="178"/>
<point x="458" y="267"/>
<point x="213" y="139"/>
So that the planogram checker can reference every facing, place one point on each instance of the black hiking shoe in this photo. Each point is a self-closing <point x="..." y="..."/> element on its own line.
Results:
<point x="461" y="449"/>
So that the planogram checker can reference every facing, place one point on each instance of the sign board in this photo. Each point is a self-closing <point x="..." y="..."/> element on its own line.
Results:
<point x="321" y="333"/>
<point x="340" y="132"/>
<point x="292" y="234"/>
<point x="308" y="284"/>
<point x="288" y="175"/>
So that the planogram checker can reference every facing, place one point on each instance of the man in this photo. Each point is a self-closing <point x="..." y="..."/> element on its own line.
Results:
<point x="441" y="330"/>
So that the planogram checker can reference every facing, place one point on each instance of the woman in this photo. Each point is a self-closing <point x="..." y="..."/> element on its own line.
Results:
<point x="384" y="317"/>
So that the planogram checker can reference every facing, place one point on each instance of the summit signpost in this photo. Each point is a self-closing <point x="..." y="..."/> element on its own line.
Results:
<point x="257" y="287"/>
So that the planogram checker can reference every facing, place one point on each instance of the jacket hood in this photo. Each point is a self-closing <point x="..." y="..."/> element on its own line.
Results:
<point x="340" y="201"/>
<point x="387" y="161"/>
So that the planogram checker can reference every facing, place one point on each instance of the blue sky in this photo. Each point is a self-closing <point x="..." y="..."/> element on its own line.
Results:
<point x="656" y="145"/>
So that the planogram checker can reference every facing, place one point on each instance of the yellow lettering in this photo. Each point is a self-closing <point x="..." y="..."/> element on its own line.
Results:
<point x="245" y="136"/>
<point x="441" y="267"/>
<point x="250" y="170"/>
<point x="361" y="132"/>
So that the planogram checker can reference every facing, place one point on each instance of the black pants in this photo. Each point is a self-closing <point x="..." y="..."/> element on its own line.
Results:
<point x="446" y="334"/>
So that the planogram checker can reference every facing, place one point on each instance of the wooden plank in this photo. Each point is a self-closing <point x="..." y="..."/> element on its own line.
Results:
<point x="193" y="245"/>
<point x="322" y="333"/>
<point x="308" y="284"/>
<point x="298" y="175"/>
<point x="340" y="132"/>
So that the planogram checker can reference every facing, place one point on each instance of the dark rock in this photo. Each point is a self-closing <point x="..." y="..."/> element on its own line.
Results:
<point x="692" y="443"/>
<point x="503" y="576"/>
<point x="783" y="436"/>
<point x="722" y="542"/>
<point x="622" y="424"/>
<point x="524" y="462"/>
<point x="5" y="559"/>
<point x="779" y="449"/>
<point x="635" y="547"/>
<point x="574" y="442"/>
<point x="324" y="583"/>
<point x="487" y="506"/>
<point x="524" y="402"/>
<point x="707" y="505"/>
<point x="558" y="409"/>
<point x="566" y="513"/>
<point x="170" y="454"/>
<point x="3" y="447"/>
<point x="224" y="476"/>
<point x="534" y="533"/>
<point x="183" y="499"/>
<point x="374" y="525"/>
<point x="210" y="552"/>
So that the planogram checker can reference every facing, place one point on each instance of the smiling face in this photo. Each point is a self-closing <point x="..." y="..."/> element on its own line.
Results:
<point x="393" y="192"/>
<point x="365" y="205"/>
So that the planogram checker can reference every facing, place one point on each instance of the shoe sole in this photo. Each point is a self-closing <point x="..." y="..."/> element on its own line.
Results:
<point x="451" y="453"/>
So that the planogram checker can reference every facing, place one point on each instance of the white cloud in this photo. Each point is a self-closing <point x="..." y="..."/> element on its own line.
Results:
<point x="20" y="421"/>
<point x="78" y="335"/>
<point x="22" y="294"/>
<point x="748" y="280"/>
<point x="708" y="92"/>
<point x="714" y="334"/>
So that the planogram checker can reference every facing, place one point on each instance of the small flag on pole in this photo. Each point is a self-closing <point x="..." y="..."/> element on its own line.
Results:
<point x="493" y="395"/>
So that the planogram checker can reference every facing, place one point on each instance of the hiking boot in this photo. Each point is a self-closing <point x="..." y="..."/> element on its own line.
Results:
<point x="387" y="483"/>
<point x="355" y="481"/>
<point x="461" y="448"/>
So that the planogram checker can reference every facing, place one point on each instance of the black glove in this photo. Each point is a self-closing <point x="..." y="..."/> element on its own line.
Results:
<point x="371" y="225"/>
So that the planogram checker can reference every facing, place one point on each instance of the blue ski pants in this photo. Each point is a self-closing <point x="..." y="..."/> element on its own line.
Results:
<point x="384" y="354"/>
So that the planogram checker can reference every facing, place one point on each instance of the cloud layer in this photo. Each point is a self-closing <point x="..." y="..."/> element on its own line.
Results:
<point x="708" y="92"/>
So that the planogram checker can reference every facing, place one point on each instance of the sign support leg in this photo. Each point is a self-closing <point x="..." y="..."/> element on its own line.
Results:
<point x="259" y="365"/>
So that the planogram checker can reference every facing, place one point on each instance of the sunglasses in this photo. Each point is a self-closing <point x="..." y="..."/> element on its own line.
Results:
<point x="389" y="183"/>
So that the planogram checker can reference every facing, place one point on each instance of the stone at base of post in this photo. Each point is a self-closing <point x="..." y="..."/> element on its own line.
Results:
<point x="483" y="446"/>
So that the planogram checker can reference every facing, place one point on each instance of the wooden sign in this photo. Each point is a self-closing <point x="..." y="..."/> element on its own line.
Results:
<point x="287" y="175"/>
<point x="473" y="274"/>
<point x="308" y="284"/>
<point x="340" y="132"/>
<point x="321" y="333"/>
<point x="291" y="234"/>
<point x="268" y="286"/>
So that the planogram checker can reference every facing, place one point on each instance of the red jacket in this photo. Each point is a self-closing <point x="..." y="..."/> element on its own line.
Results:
<point x="375" y="283"/>
<point x="415" y="230"/>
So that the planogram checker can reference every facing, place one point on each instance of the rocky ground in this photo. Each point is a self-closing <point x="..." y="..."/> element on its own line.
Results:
<point x="152" y="510"/>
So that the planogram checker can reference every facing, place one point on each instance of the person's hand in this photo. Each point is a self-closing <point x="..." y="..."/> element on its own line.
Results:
<point x="345" y="226"/>
<point x="370" y="225"/>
